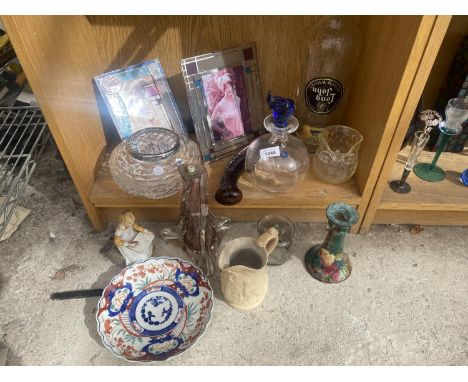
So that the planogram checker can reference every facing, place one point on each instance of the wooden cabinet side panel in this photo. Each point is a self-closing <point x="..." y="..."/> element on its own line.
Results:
<point x="60" y="57"/>
<point x="391" y="52"/>
<point x="456" y="31"/>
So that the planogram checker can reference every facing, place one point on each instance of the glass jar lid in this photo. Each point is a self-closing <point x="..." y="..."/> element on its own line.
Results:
<point x="153" y="144"/>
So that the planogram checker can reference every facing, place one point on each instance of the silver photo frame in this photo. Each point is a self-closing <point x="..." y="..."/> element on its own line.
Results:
<point x="139" y="97"/>
<point x="223" y="90"/>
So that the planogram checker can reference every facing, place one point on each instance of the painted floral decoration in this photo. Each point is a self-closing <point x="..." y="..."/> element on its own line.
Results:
<point x="119" y="300"/>
<point x="161" y="346"/>
<point x="187" y="283"/>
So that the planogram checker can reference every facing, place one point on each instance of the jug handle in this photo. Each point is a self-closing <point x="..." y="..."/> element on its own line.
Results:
<point x="268" y="240"/>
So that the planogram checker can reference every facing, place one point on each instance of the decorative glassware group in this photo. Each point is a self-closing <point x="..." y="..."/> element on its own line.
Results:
<point x="431" y="119"/>
<point x="278" y="162"/>
<point x="156" y="163"/>
<point x="456" y="113"/>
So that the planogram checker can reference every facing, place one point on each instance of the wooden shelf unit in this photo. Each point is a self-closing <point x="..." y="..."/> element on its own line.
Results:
<point x="61" y="54"/>
<point x="442" y="203"/>
<point x="307" y="203"/>
<point x="426" y="201"/>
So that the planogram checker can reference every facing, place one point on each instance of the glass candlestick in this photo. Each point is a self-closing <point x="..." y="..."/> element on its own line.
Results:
<point x="456" y="113"/>
<point x="327" y="262"/>
<point x="430" y="118"/>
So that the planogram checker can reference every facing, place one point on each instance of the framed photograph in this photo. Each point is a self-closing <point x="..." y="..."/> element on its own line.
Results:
<point x="138" y="97"/>
<point x="224" y="97"/>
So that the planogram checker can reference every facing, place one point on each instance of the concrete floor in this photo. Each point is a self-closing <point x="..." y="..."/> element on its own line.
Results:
<point x="404" y="304"/>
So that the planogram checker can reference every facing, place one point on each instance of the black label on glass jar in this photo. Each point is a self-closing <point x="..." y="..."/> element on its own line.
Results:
<point x="323" y="95"/>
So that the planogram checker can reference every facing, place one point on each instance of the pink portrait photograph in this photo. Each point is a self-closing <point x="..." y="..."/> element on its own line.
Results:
<point x="226" y="101"/>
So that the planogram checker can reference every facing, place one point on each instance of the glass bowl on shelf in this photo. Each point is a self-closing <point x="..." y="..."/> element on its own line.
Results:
<point x="146" y="164"/>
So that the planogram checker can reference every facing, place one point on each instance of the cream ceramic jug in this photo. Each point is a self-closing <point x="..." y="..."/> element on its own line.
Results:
<point x="244" y="278"/>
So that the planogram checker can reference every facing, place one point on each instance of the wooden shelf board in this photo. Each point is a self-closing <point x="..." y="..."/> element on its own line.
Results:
<point x="423" y="217"/>
<point x="311" y="194"/>
<point x="448" y="195"/>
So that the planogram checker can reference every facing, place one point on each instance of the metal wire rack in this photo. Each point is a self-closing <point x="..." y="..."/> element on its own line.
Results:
<point x="23" y="136"/>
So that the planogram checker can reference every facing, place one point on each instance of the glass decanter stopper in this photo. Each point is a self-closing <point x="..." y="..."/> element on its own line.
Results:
<point x="327" y="262"/>
<point x="198" y="227"/>
<point x="277" y="161"/>
<point x="431" y="119"/>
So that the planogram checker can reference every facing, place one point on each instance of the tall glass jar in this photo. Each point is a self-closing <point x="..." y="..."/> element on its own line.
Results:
<point x="146" y="164"/>
<point x="336" y="158"/>
<point x="333" y="46"/>
<point x="278" y="161"/>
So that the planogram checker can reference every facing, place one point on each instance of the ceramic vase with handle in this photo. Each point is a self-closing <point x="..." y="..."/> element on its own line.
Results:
<point x="244" y="277"/>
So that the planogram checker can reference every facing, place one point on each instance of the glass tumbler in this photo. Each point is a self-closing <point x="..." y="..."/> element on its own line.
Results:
<point x="286" y="230"/>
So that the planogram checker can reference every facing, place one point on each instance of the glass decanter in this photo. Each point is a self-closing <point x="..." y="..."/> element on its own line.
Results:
<point x="336" y="158"/>
<point x="277" y="161"/>
<point x="146" y="164"/>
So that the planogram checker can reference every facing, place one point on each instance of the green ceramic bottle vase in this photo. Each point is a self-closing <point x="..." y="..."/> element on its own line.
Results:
<point x="327" y="262"/>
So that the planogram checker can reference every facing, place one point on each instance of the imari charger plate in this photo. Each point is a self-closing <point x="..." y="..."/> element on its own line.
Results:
<point x="154" y="309"/>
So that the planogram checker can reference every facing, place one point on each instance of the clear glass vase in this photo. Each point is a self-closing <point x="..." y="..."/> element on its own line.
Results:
<point x="146" y="164"/>
<point x="336" y="158"/>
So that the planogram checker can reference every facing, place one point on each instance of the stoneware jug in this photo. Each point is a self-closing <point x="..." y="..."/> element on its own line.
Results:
<point x="244" y="278"/>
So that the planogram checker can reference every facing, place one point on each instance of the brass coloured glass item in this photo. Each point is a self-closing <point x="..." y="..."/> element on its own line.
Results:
<point x="198" y="227"/>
